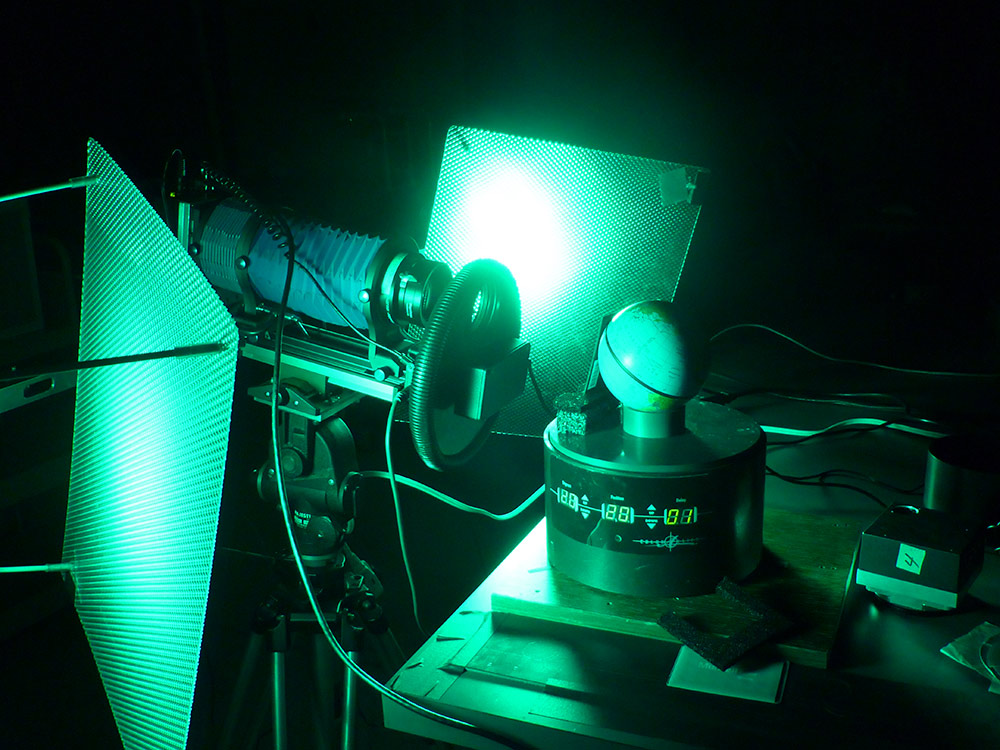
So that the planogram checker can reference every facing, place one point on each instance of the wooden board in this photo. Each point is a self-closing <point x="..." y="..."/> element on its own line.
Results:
<point x="804" y="575"/>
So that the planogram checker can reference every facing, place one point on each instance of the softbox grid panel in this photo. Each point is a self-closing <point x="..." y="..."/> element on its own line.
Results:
<point x="585" y="233"/>
<point x="149" y="450"/>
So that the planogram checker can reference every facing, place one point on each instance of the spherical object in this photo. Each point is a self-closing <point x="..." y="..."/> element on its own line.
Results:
<point x="649" y="358"/>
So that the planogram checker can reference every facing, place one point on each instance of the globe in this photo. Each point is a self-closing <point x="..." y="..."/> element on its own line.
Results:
<point x="649" y="357"/>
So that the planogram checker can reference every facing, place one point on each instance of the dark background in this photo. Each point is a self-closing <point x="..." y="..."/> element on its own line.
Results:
<point x="851" y="204"/>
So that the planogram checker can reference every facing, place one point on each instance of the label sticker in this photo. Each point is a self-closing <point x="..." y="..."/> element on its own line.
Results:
<point x="910" y="559"/>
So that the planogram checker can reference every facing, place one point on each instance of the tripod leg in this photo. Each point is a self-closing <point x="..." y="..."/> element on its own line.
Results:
<point x="279" y="705"/>
<point x="351" y="639"/>
<point x="251" y="658"/>
<point x="387" y="649"/>
<point x="327" y="666"/>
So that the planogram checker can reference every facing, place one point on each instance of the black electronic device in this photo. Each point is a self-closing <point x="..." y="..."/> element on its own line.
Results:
<point x="666" y="500"/>
<point x="920" y="558"/>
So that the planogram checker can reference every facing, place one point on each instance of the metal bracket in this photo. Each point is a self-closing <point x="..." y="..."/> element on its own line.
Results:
<point x="301" y="402"/>
<point x="33" y="389"/>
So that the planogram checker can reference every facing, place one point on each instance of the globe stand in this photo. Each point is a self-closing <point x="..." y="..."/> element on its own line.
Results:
<point x="654" y="424"/>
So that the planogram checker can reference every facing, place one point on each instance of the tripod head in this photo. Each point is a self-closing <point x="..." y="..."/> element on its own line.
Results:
<point x="317" y="454"/>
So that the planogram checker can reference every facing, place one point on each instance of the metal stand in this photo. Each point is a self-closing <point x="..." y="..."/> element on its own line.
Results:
<point x="358" y="620"/>
<point x="317" y="454"/>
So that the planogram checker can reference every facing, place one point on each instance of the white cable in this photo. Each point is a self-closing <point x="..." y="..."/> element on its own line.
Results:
<point x="349" y="663"/>
<point x="324" y="626"/>
<point x="857" y="421"/>
<point x="399" y="514"/>
<point x="457" y="504"/>
<point x="862" y="363"/>
<point x="395" y="480"/>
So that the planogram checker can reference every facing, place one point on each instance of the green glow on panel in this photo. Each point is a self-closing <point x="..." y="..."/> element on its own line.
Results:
<point x="149" y="450"/>
<point x="585" y="233"/>
<point x="513" y="218"/>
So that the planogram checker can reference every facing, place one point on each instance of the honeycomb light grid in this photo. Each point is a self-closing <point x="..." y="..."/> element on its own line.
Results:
<point x="584" y="232"/>
<point x="149" y="449"/>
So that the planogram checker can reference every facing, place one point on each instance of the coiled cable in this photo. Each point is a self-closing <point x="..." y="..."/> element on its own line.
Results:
<point x="477" y="318"/>
<point x="274" y="224"/>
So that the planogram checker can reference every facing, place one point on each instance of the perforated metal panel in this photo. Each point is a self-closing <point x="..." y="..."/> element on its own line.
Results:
<point x="149" y="449"/>
<point x="584" y="232"/>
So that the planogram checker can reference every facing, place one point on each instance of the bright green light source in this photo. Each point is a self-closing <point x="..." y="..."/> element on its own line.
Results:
<point x="149" y="451"/>
<point x="513" y="218"/>
<point x="584" y="232"/>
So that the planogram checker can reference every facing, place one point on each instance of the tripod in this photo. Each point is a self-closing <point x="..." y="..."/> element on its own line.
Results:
<point x="349" y="602"/>
<point x="317" y="453"/>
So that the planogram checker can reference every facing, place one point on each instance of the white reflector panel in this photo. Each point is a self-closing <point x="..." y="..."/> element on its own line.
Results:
<point x="149" y="451"/>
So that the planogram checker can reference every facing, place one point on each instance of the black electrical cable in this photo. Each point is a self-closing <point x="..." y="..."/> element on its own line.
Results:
<point x="858" y="362"/>
<point x="400" y="357"/>
<point x="821" y="476"/>
<point x="865" y="400"/>
<point x="248" y="553"/>
<point x="811" y="483"/>
<point x="279" y="230"/>
<point x="321" y="620"/>
<point x="831" y="432"/>
<point x="891" y="402"/>
<point x="914" y="423"/>
<point x="546" y="407"/>
<point x="277" y="227"/>
<point x="163" y="187"/>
